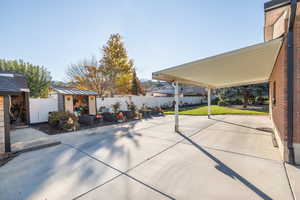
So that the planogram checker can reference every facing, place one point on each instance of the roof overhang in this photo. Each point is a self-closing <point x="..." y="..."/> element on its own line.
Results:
<point x="250" y="65"/>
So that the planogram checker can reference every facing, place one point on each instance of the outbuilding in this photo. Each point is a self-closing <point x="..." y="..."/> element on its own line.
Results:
<point x="75" y="100"/>
<point x="14" y="106"/>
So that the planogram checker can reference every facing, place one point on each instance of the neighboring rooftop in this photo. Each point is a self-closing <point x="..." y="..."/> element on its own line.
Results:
<point x="168" y="89"/>
<point x="13" y="83"/>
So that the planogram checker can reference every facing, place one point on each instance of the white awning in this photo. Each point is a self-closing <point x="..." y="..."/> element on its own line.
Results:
<point x="244" y="66"/>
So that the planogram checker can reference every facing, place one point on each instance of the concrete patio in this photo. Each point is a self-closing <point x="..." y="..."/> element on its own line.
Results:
<point x="221" y="158"/>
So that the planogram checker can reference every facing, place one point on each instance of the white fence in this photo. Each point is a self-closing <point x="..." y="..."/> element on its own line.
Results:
<point x="148" y="101"/>
<point x="40" y="108"/>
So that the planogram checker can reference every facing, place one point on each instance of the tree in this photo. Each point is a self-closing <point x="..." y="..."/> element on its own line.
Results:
<point x="38" y="78"/>
<point x="244" y="94"/>
<point x="136" y="86"/>
<point x="87" y="75"/>
<point x="117" y="67"/>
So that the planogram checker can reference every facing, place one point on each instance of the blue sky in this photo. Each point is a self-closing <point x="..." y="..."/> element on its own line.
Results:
<point x="157" y="33"/>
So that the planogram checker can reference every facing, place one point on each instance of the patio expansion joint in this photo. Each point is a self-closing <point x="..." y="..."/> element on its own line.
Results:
<point x="289" y="182"/>
<point x="125" y="173"/>
<point x="236" y="153"/>
<point x="139" y="164"/>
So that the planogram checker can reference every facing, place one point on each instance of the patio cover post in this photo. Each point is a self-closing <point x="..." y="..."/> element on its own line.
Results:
<point x="208" y="102"/>
<point x="176" y="107"/>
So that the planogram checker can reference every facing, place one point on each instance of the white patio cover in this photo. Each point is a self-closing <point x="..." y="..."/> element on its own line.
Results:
<point x="249" y="65"/>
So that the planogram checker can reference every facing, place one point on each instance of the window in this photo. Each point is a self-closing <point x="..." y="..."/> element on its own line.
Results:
<point x="274" y="93"/>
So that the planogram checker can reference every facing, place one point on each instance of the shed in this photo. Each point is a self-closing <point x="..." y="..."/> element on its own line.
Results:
<point x="75" y="100"/>
<point x="14" y="105"/>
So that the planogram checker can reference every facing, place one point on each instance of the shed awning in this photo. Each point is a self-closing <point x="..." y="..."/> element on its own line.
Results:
<point x="73" y="91"/>
<point x="250" y="65"/>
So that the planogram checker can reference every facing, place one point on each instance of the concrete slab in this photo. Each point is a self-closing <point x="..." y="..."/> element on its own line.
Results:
<point x="123" y="188"/>
<point x="54" y="173"/>
<point x="123" y="151"/>
<point x="189" y="125"/>
<point x="294" y="177"/>
<point x="34" y="145"/>
<point x="25" y="135"/>
<point x="189" y="172"/>
<point x="158" y="165"/>
<point x="234" y="134"/>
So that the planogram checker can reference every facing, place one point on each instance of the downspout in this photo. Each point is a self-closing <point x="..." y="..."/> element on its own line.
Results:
<point x="290" y="74"/>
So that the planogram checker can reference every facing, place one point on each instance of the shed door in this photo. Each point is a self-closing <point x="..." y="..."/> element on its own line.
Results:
<point x="92" y="105"/>
<point x="69" y="103"/>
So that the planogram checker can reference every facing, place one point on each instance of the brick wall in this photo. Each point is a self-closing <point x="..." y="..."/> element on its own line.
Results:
<point x="279" y="109"/>
<point x="1" y="124"/>
<point x="297" y="78"/>
<point x="279" y="75"/>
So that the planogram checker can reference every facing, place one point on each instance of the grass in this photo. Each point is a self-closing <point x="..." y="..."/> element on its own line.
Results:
<point x="216" y="110"/>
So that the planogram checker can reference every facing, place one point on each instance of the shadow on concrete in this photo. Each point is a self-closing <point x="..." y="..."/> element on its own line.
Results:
<point x="54" y="163"/>
<point x="227" y="170"/>
<point x="264" y="129"/>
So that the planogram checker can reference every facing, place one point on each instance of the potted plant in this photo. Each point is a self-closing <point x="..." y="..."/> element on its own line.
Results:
<point x="63" y="120"/>
<point x="131" y="110"/>
<point x="121" y="117"/>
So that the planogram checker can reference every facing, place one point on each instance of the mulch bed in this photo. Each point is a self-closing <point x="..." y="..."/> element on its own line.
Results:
<point x="46" y="128"/>
<point x="262" y="108"/>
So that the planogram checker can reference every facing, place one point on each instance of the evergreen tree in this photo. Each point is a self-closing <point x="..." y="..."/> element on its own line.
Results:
<point x="116" y="65"/>
<point x="135" y="85"/>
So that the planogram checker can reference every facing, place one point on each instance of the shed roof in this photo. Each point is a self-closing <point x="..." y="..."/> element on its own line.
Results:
<point x="13" y="83"/>
<point x="244" y="66"/>
<point x="73" y="91"/>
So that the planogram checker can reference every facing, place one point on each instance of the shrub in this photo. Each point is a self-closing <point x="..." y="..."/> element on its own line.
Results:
<point x="116" y="107"/>
<point x="222" y="103"/>
<point x="259" y="100"/>
<point x="215" y="101"/>
<point x="237" y="102"/>
<point x="64" y="120"/>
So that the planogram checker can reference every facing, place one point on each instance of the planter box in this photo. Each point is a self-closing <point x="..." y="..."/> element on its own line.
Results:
<point x="128" y="114"/>
<point x="109" y="117"/>
<point x="87" y="119"/>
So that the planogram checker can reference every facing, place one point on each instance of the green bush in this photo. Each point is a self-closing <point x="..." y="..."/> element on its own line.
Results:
<point x="63" y="120"/>
<point x="215" y="101"/>
<point x="236" y="101"/>
<point x="222" y="103"/>
<point x="116" y="107"/>
<point x="259" y="100"/>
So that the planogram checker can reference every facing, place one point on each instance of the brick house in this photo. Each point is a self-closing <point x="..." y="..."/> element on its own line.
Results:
<point x="276" y="61"/>
<point x="282" y="19"/>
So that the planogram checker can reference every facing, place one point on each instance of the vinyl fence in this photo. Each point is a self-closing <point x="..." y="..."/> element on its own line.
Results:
<point x="149" y="101"/>
<point x="40" y="107"/>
